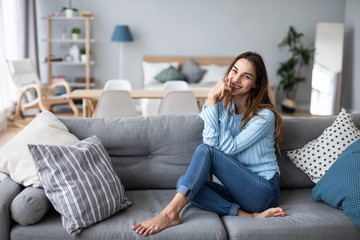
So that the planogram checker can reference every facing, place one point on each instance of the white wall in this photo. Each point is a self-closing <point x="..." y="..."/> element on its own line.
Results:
<point x="195" y="28"/>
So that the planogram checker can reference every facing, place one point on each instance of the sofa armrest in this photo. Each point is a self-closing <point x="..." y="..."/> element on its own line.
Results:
<point x="8" y="191"/>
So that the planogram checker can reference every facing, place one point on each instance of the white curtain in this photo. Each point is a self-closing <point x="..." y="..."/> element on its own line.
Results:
<point x="17" y="41"/>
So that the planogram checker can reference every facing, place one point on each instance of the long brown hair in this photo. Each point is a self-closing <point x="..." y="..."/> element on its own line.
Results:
<point x="258" y="97"/>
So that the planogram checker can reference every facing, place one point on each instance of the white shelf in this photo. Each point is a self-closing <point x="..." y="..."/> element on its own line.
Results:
<point x="69" y="40"/>
<point x="62" y="18"/>
<point x="86" y="41"/>
<point x="69" y="63"/>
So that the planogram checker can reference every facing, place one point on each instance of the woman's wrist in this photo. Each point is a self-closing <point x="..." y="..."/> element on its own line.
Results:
<point x="211" y="101"/>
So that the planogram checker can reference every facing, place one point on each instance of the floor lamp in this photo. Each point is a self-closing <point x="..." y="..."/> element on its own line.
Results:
<point x="121" y="34"/>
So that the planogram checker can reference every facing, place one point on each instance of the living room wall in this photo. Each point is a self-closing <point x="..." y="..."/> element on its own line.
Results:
<point x="195" y="28"/>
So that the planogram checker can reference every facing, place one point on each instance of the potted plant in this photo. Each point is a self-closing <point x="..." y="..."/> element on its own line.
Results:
<point x="83" y="55"/>
<point x="75" y="33"/>
<point x="290" y="70"/>
<point x="69" y="11"/>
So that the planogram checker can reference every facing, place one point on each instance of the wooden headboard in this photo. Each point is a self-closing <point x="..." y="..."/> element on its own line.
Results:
<point x="222" y="61"/>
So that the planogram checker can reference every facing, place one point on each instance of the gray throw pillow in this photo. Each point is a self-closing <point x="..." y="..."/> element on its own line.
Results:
<point x="193" y="72"/>
<point x="29" y="206"/>
<point x="169" y="74"/>
<point x="80" y="182"/>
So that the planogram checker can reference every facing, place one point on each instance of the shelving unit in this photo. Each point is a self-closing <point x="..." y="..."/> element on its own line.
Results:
<point x="85" y="41"/>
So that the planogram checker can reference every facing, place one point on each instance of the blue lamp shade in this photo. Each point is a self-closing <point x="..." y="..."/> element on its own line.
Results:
<point x="121" y="34"/>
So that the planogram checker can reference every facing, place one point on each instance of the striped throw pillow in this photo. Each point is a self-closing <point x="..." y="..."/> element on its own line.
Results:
<point x="80" y="182"/>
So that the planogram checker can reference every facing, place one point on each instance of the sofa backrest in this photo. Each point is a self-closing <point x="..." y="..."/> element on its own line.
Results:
<point x="298" y="131"/>
<point x="153" y="152"/>
<point x="146" y="152"/>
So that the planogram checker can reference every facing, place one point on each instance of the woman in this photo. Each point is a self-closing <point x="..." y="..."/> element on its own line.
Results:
<point x="242" y="129"/>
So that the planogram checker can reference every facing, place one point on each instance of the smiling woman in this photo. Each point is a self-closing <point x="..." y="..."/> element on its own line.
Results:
<point x="242" y="131"/>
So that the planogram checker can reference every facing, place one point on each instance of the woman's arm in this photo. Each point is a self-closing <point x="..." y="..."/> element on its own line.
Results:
<point x="210" y="115"/>
<point x="211" y="112"/>
<point x="256" y="128"/>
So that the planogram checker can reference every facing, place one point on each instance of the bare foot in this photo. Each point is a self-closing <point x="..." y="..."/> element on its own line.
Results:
<point x="156" y="224"/>
<point x="271" y="212"/>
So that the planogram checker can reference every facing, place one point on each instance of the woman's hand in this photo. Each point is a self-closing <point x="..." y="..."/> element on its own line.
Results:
<point x="219" y="91"/>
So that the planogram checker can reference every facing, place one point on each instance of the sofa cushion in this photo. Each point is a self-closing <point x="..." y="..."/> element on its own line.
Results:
<point x="79" y="182"/>
<point x="151" y="152"/>
<point x="340" y="187"/>
<point x="317" y="156"/>
<point x="15" y="158"/>
<point x="305" y="219"/>
<point x="195" y="223"/>
<point x="29" y="206"/>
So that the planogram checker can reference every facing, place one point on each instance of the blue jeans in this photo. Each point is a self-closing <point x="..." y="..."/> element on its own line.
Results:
<point x="241" y="189"/>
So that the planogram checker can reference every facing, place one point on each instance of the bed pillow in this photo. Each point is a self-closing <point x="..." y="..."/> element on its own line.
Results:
<point x="150" y="70"/>
<point x="317" y="156"/>
<point x="192" y="71"/>
<point x="170" y="74"/>
<point x="29" y="206"/>
<point x="214" y="73"/>
<point x="15" y="158"/>
<point x="80" y="182"/>
<point x="340" y="186"/>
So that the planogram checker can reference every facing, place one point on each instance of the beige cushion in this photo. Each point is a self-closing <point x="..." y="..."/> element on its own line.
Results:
<point x="15" y="158"/>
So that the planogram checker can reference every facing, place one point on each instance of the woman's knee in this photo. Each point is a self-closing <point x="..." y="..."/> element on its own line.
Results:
<point x="204" y="148"/>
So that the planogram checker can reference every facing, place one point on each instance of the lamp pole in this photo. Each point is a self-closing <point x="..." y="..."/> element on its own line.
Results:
<point x="121" y="50"/>
<point x="121" y="34"/>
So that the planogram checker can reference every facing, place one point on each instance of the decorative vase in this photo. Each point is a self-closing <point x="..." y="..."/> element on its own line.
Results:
<point x="69" y="12"/>
<point x="74" y="53"/>
<point x="288" y="105"/>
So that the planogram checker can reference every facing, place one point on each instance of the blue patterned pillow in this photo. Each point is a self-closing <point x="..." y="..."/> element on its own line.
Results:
<point x="340" y="186"/>
<point x="80" y="182"/>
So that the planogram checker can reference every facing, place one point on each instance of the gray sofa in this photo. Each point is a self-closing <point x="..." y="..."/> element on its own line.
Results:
<point x="149" y="154"/>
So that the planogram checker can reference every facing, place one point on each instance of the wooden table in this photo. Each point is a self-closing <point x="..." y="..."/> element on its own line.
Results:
<point x="92" y="95"/>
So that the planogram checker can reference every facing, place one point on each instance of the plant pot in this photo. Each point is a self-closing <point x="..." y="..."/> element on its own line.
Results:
<point x="288" y="105"/>
<point x="83" y="58"/>
<point x="69" y="13"/>
<point x="75" y="36"/>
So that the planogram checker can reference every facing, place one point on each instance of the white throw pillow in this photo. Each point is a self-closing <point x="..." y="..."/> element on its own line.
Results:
<point x="214" y="73"/>
<point x="317" y="156"/>
<point x="150" y="70"/>
<point x="15" y="158"/>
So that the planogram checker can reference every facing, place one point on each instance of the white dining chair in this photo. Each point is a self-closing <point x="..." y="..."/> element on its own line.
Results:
<point x="176" y="85"/>
<point x="118" y="84"/>
<point x="150" y="106"/>
<point x="178" y="102"/>
<point x="115" y="103"/>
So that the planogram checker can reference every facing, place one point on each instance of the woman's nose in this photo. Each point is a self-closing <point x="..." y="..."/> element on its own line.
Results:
<point x="235" y="79"/>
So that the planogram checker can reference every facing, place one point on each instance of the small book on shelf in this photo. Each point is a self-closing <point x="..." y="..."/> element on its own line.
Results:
<point x="56" y="79"/>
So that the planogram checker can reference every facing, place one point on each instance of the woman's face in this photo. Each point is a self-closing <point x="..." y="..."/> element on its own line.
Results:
<point x="242" y="77"/>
